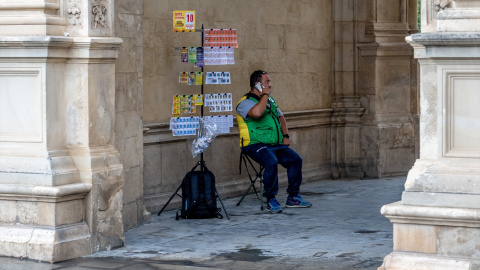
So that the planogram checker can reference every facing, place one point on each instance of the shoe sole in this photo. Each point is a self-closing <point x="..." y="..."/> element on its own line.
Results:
<point x="274" y="212"/>
<point x="298" y="206"/>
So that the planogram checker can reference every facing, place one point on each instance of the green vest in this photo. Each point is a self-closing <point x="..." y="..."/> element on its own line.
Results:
<point x="265" y="129"/>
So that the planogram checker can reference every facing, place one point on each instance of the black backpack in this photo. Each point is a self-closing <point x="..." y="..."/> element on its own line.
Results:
<point x="199" y="198"/>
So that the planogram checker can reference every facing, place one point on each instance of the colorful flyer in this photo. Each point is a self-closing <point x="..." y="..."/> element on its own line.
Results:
<point x="184" y="126"/>
<point x="199" y="78"/>
<point x="191" y="78"/>
<point x="183" y="77"/>
<point x="220" y="38"/>
<point x="176" y="105"/>
<point x="183" y="21"/>
<point x="200" y="57"/>
<point x="199" y="100"/>
<point x="184" y="104"/>
<point x="192" y="54"/>
<point x="184" y="54"/>
<point x="193" y="108"/>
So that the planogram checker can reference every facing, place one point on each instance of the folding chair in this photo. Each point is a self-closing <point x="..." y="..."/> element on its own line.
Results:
<point x="247" y="162"/>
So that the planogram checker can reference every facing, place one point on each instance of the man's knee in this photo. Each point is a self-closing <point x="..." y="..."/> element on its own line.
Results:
<point x="299" y="160"/>
<point x="271" y="165"/>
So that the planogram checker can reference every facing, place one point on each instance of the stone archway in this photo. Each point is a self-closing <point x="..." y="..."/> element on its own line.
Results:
<point x="358" y="118"/>
<point x="375" y="115"/>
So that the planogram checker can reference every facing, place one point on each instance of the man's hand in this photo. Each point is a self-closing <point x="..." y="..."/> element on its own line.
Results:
<point x="266" y="91"/>
<point x="286" y="141"/>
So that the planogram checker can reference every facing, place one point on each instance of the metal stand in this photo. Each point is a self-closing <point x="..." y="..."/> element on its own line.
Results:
<point x="202" y="167"/>
<point x="201" y="163"/>
<point x="258" y="176"/>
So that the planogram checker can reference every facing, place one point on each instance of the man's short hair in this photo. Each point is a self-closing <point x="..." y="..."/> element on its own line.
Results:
<point x="255" y="77"/>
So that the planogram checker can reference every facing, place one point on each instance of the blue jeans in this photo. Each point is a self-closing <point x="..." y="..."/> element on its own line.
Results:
<point x="269" y="156"/>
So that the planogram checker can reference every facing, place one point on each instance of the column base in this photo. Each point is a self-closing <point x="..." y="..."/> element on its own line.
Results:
<point x="410" y="261"/>
<point x="48" y="244"/>
<point x="427" y="237"/>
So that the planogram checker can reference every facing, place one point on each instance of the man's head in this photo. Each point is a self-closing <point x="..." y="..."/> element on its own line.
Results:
<point x="260" y="76"/>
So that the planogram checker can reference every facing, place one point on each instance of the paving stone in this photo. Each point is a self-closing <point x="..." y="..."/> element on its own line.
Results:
<point x="342" y="230"/>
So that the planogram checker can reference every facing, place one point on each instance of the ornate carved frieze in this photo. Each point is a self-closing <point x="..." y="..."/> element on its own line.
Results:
<point x="442" y="4"/>
<point x="74" y="12"/>
<point x="99" y="9"/>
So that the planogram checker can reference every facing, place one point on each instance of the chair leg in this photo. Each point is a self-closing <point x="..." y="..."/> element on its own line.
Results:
<point x="245" y="194"/>
<point x="258" y="176"/>
<point x="261" y="191"/>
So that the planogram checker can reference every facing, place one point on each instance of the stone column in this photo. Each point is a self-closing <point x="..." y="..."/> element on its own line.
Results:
<point x="373" y="118"/>
<point x="436" y="225"/>
<point x="346" y="106"/>
<point x="60" y="176"/>
<point x="395" y="85"/>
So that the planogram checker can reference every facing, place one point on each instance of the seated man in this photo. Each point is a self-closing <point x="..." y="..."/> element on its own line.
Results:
<point x="264" y="137"/>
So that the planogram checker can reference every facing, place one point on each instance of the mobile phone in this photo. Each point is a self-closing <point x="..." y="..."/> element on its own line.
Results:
<point x="259" y="86"/>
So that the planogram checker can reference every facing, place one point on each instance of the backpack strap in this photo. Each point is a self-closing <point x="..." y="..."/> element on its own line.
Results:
<point x="210" y="192"/>
<point x="193" y="199"/>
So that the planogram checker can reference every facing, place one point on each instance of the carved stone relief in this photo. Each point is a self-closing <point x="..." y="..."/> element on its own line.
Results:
<point x="99" y="9"/>
<point x="430" y="9"/>
<point x="442" y="4"/>
<point x="74" y="13"/>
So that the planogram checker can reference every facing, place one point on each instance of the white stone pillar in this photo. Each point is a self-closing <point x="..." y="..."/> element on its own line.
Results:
<point x="437" y="223"/>
<point x="33" y="17"/>
<point x="464" y="16"/>
<point x="60" y="176"/>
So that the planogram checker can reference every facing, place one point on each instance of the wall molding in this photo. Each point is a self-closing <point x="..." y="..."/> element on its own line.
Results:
<point x="159" y="133"/>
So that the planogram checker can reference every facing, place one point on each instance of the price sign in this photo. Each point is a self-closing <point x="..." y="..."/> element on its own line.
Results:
<point x="190" y="21"/>
<point x="183" y="21"/>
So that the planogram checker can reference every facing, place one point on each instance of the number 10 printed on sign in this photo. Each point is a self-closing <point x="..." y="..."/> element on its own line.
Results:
<point x="183" y="21"/>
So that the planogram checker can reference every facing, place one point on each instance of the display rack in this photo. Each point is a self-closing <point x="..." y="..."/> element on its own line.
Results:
<point x="201" y="162"/>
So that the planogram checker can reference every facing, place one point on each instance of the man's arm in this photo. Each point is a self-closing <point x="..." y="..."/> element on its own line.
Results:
<point x="259" y="108"/>
<point x="283" y="123"/>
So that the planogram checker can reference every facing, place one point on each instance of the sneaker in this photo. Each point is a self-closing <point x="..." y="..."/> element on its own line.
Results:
<point x="273" y="206"/>
<point x="297" y="201"/>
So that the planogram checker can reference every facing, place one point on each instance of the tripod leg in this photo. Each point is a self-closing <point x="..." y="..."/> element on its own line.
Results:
<point x="173" y="195"/>
<point x="223" y="206"/>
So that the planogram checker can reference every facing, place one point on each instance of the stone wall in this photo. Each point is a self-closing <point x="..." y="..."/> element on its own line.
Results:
<point x="129" y="107"/>
<point x="341" y="70"/>
<point x="292" y="40"/>
<point x="375" y="121"/>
